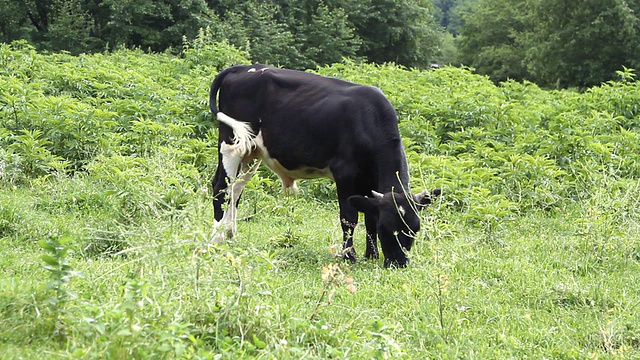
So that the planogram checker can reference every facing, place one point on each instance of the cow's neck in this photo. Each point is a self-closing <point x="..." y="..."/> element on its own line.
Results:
<point x="393" y="173"/>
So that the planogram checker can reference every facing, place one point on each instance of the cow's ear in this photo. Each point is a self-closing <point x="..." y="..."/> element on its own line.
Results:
<point x="425" y="198"/>
<point x="363" y="204"/>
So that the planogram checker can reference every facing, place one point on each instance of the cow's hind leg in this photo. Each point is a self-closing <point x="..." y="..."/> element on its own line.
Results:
<point x="236" y="151"/>
<point x="219" y="185"/>
<point x="226" y="227"/>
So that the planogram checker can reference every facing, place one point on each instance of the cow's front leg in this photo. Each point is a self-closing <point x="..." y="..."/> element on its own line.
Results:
<point x="348" y="224"/>
<point x="344" y="177"/>
<point x="370" y="222"/>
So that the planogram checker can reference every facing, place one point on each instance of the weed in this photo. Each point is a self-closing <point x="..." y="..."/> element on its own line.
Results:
<point x="56" y="262"/>
<point x="383" y="344"/>
<point x="334" y="276"/>
<point x="441" y="288"/>
<point x="8" y="221"/>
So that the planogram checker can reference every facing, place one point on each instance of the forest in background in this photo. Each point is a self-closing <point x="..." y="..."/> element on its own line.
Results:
<point x="554" y="43"/>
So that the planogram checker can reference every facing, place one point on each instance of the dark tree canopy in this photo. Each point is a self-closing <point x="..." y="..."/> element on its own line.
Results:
<point x="93" y="25"/>
<point x="400" y="31"/>
<point x="555" y="43"/>
<point x="490" y="38"/>
<point x="584" y="46"/>
<point x="292" y="33"/>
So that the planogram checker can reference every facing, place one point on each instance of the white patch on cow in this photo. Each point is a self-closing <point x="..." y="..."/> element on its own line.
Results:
<point x="217" y="235"/>
<point x="401" y="210"/>
<point x="252" y="70"/>
<point x="231" y="158"/>
<point x="236" y="160"/>
<point x="243" y="138"/>
<point x="288" y="177"/>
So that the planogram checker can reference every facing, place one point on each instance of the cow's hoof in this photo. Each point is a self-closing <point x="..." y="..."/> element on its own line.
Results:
<point x="217" y="238"/>
<point x="396" y="264"/>
<point x="350" y="255"/>
<point x="372" y="256"/>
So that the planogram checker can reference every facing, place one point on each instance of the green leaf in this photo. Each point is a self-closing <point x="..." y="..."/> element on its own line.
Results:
<point x="47" y="245"/>
<point x="124" y="332"/>
<point x="50" y="260"/>
<point x="259" y="343"/>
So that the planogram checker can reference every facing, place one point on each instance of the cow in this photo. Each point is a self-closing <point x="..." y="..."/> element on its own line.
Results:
<point x="304" y="126"/>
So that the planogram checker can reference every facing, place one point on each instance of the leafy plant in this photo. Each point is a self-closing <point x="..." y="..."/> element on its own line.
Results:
<point x="56" y="262"/>
<point x="207" y="53"/>
<point x="8" y="220"/>
<point x="382" y="341"/>
<point x="37" y="160"/>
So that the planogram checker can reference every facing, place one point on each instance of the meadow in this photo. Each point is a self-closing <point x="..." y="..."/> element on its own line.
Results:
<point x="105" y="219"/>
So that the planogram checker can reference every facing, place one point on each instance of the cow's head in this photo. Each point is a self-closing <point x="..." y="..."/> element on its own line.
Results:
<point x="397" y="220"/>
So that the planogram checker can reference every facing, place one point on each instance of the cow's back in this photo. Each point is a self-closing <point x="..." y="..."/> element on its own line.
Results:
<point x="306" y="120"/>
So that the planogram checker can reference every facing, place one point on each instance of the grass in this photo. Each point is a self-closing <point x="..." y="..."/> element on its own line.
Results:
<point x="533" y="251"/>
<point x="560" y="284"/>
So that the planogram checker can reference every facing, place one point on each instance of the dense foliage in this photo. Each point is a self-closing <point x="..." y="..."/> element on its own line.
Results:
<point x="105" y="216"/>
<point x="293" y="33"/>
<point x="552" y="43"/>
<point x="504" y="39"/>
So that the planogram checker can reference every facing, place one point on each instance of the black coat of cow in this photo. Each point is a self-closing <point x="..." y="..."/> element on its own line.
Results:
<point x="303" y="125"/>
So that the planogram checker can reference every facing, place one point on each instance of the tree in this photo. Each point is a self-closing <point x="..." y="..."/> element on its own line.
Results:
<point x="11" y="23"/>
<point x="328" y="37"/>
<point x="490" y="38"/>
<point x="555" y="43"/>
<point x="89" y="25"/>
<point x="298" y="34"/>
<point x="403" y="31"/>
<point x="72" y="28"/>
<point x="49" y="24"/>
<point x="447" y="14"/>
<point x="583" y="46"/>
<point x="291" y="33"/>
<point x="151" y="24"/>
<point x="254" y="26"/>
<point x="39" y="13"/>
<point x="187" y="18"/>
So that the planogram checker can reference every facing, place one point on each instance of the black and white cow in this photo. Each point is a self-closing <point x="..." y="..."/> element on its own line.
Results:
<point x="306" y="126"/>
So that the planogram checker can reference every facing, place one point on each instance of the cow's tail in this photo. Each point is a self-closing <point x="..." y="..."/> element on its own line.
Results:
<point x="243" y="136"/>
<point x="215" y="86"/>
